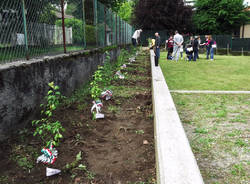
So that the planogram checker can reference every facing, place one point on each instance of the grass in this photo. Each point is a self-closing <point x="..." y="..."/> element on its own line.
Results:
<point x="19" y="53"/>
<point x="218" y="130"/>
<point x="224" y="73"/>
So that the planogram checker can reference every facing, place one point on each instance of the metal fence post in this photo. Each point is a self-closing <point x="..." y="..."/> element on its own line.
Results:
<point x="95" y="20"/>
<point x="120" y="31"/>
<point x="111" y="27"/>
<point x="84" y="24"/>
<point x="105" y="27"/>
<point x="63" y="26"/>
<point x="25" y="30"/>
<point x="116" y="29"/>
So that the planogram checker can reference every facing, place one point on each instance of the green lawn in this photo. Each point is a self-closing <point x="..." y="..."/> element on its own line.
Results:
<point x="19" y="53"/>
<point x="224" y="73"/>
<point x="218" y="129"/>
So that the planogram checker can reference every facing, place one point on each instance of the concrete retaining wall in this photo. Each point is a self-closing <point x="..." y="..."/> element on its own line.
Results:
<point x="174" y="158"/>
<point x="24" y="84"/>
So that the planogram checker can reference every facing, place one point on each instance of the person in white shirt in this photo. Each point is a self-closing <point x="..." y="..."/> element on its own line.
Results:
<point x="178" y="40"/>
<point x="135" y="37"/>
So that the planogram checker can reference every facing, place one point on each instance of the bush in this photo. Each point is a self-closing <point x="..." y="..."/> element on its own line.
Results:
<point x="77" y="31"/>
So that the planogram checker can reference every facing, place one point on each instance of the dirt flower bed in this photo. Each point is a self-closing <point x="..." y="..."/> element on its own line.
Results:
<point x="117" y="149"/>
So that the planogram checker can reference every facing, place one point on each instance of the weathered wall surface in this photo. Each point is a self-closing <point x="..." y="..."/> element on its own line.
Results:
<point x="24" y="84"/>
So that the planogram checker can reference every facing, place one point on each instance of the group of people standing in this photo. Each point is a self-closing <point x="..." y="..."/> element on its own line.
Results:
<point x="175" y="46"/>
<point x="191" y="47"/>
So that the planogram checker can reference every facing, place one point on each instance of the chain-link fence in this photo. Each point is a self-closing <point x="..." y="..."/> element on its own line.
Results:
<point x="226" y="42"/>
<point x="30" y="28"/>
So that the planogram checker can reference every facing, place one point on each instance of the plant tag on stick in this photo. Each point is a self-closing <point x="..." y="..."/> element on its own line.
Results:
<point x="106" y="94"/>
<point x="123" y="66"/>
<point x="99" y="116"/>
<point x="119" y="74"/>
<point x="49" y="155"/>
<point x="131" y="60"/>
<point x="97" y="105"/>
<point x="51" y="171"/>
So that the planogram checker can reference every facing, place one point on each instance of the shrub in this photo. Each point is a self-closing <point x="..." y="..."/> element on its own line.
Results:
<point x="77" y="31"/>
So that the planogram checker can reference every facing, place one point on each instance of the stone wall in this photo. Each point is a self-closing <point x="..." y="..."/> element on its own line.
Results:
<point x="24" y="84"/>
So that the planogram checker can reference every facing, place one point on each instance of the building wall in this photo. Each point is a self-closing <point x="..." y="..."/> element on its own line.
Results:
<point x="24" y="84"/>
<point x="246" y="33"/>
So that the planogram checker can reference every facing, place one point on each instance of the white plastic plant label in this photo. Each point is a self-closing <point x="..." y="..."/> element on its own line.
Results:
<point x="131" y="60"/>
<point x="99" y="116"/>
<point x="106" y="94"/>
<point x="123" y="66"/>
<point x="119" y="74"/>
<point x="51" y="171"/>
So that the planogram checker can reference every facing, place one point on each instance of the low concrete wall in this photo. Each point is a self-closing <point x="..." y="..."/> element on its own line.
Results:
<point x="24" y="84"/>
<point x="174" y="158"/>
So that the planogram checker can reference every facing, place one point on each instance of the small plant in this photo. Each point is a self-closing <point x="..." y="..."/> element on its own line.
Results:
<point x="90" y="175"/>
<point x="241" y="143"/>
<point x="46" y="128"/>
<point x="201" y="130"/>
<point x="3" y="179"/>
<point x="96" y="84"/>
<point x="75" y="162"/>
<point x="24" y="163"/>
<point x="238" y="170"/>
<point x="113" y="109"/>
<point x="139" y="132"/>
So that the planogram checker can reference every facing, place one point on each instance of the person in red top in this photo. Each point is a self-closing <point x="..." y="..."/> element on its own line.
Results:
<point x="170" y="46"/>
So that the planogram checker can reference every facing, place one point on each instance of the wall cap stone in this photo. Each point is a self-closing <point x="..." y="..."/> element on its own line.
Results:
<point x="175" y="161"/>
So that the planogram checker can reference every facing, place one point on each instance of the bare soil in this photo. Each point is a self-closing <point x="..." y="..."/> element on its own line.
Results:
<point x="118" y="149"/>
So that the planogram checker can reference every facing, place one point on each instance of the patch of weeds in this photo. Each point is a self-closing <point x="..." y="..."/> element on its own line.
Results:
<point x="78" y="137"/>
<point x="23" y="134"/>
<point x="113" y="109"/>
<point x="78" y="96"/>
<point x="238" y="170"/>
<point x="23" y="156"/>
<point x="221" y="113"/>
<point x="151" y="116"/>
<point x="139" y="132"/>
<point x="234" y="133"/>
<point x="238" y="119"/>
<point x="4" y="179"/>
<point x="241" y="143"/>
<point x="201" y="130"/>
<point x="150" y="181"/>
<point x="24" y="163"/>
<point x="90" y="175"/>
<point x="187" y="122"/>
<point x="77" y="124"/>
<point x="202" y="144"/>
<point x="235" y="153"/>
<point x="181" y="102"/>
<point x="118" y="101"/>
<point x="89" y="126"/>
<point x="74" y="164"/>
<point x="81" y="107"/>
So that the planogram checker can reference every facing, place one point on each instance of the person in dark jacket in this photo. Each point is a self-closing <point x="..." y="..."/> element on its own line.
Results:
<point x="170" y="47"/>
<point x="157" y="48"/>
<point x="195" y="48"/>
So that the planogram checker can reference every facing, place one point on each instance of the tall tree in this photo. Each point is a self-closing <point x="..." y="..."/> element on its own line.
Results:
<point x="163" y="14"/>
<point x="219" y="16"/>
<point x="126" y="10"/>
<point x="113" y="4"/>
